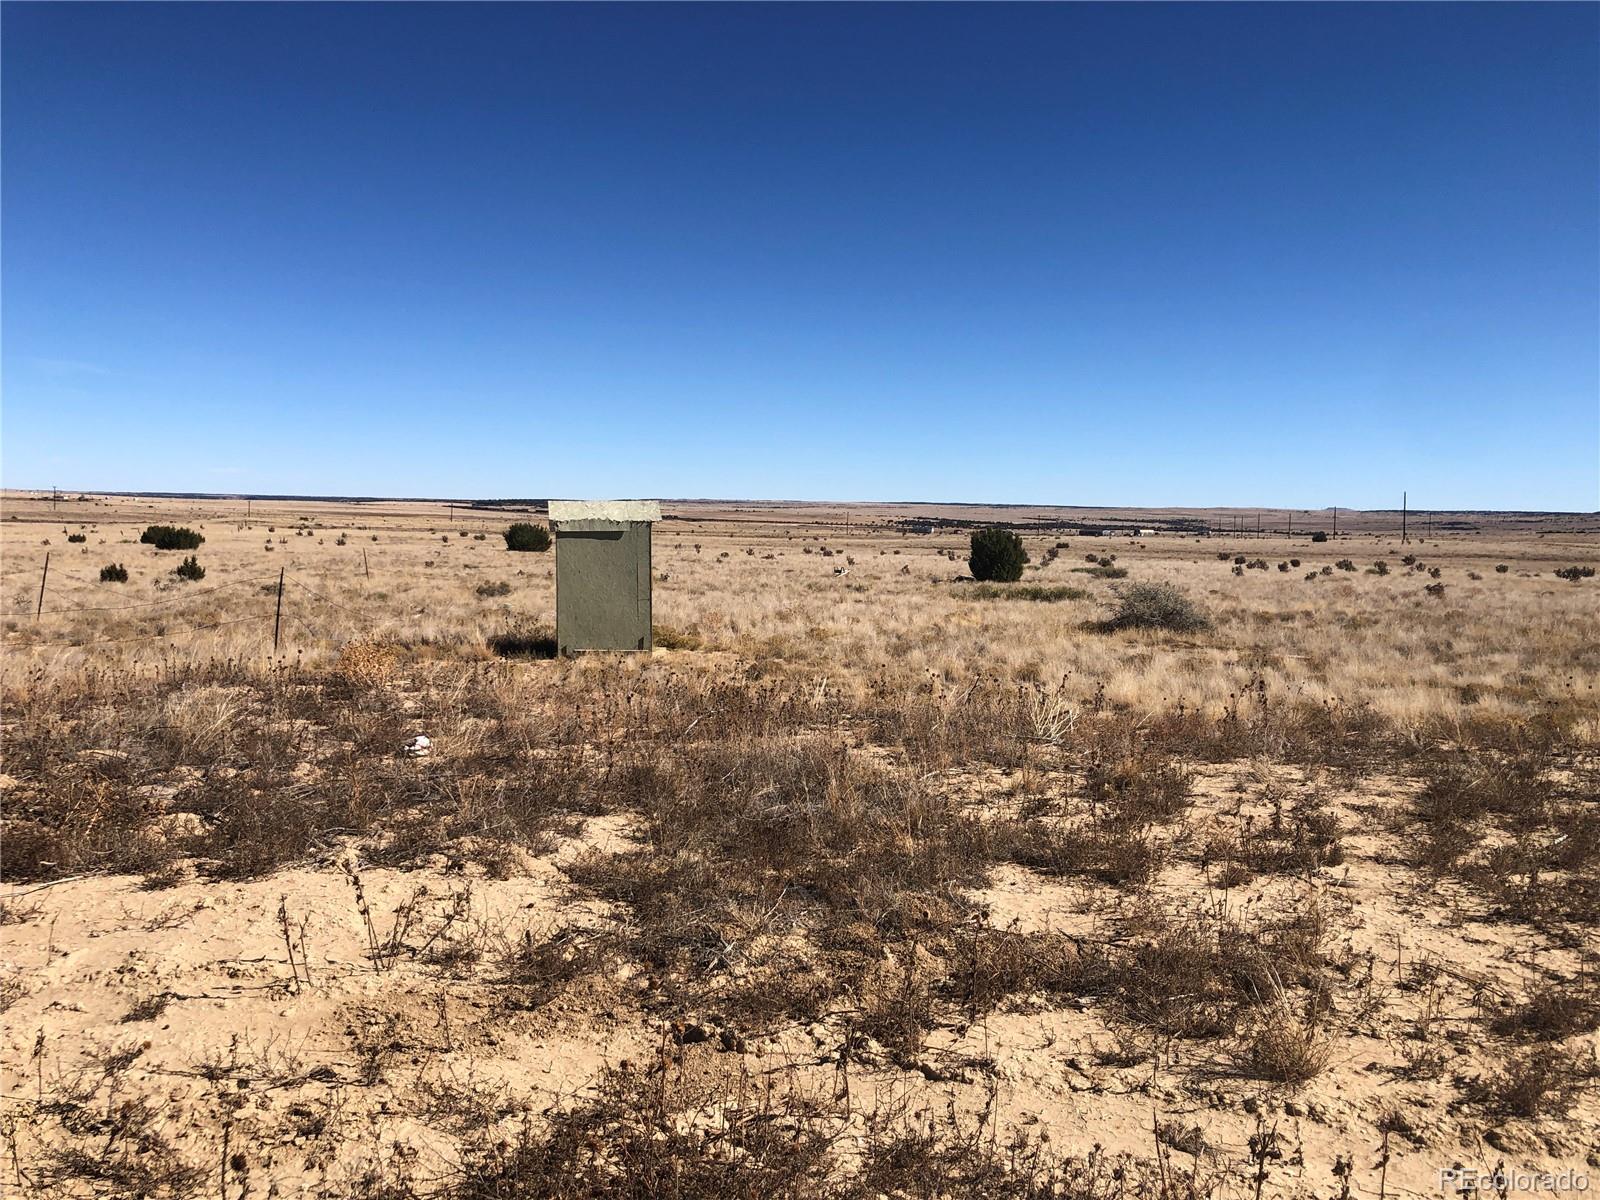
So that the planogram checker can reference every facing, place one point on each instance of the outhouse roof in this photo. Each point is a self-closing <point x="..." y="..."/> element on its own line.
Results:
<point x="605" y="510"/>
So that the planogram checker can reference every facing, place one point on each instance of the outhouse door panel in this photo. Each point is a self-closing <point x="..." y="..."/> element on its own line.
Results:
<point x="603" y="587"/>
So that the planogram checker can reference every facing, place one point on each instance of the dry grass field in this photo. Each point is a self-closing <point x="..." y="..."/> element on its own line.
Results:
<point x="869" y="881"/>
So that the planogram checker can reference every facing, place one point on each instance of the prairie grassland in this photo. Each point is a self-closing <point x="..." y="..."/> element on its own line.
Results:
<point x="870" y="881"/>
<point x="1498" y="647"/>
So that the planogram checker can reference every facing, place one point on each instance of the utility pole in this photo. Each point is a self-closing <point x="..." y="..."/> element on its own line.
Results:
<point x="1404" y="538"/>
<point x="1335" y="520"/>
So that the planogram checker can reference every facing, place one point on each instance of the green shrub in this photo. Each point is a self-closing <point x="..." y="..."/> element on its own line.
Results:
<point x="1028" y="591"/>
<point x="113" y="573"/>
<point x="1319" y="536"/>
<point x="1157" y="606"/>
<point x="1575" y="573"/>
<point x="77" y="537"/>
<point x="523" y="536"/>
<point x="502" y="588"/>
<point x="167" y="537"/>
<point x="1501" y="569"/>
<point x="997" y="555"/>
<point x="189" y="569"/>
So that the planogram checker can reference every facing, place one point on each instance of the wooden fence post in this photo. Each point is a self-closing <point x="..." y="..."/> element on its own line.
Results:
<point x="39" y="611"/>
<point x="277" y="617"/>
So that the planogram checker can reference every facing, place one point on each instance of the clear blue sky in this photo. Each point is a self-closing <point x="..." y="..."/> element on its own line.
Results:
<point x="1264" y="255"/>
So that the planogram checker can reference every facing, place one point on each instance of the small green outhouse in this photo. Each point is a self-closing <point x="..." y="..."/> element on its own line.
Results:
<point x="603" y="573"/>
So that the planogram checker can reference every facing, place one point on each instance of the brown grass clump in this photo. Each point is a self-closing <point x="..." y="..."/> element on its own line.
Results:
<point x="666" y="637"/>
<point x="118" y="1144"/>
<point x="1297" y="840"/>
<point x="1507" y="823"/>
<point x="1543" y="1080"/>
<point x="646" y="1134"/>
<point x="1552" y="1014"/>
<point x="367" y="664"/>
<point x="984" y="967"/>
<point x="1139" y="790"/>
<point x="749" y="845"/>
<point x="1284" y="1045"/>
<point x="1106" y="849"/>
<point x="540" y="967"/>
<point x="1200" y="974"/>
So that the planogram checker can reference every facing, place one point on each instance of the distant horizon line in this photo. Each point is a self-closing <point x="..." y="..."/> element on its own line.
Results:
<point x="544" y="500"/>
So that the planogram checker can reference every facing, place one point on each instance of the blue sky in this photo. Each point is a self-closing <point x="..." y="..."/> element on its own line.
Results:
<point x="1261" y="255"/>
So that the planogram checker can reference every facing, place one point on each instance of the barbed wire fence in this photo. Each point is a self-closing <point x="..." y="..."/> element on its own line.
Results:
<point x="271" y="585"/>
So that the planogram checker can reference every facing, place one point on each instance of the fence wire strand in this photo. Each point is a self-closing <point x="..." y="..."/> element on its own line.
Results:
<point x="320" y="596"/>
<point x="147" y="637"/>
<point x="168" y="600"/>
<point x="78" y="608"/>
